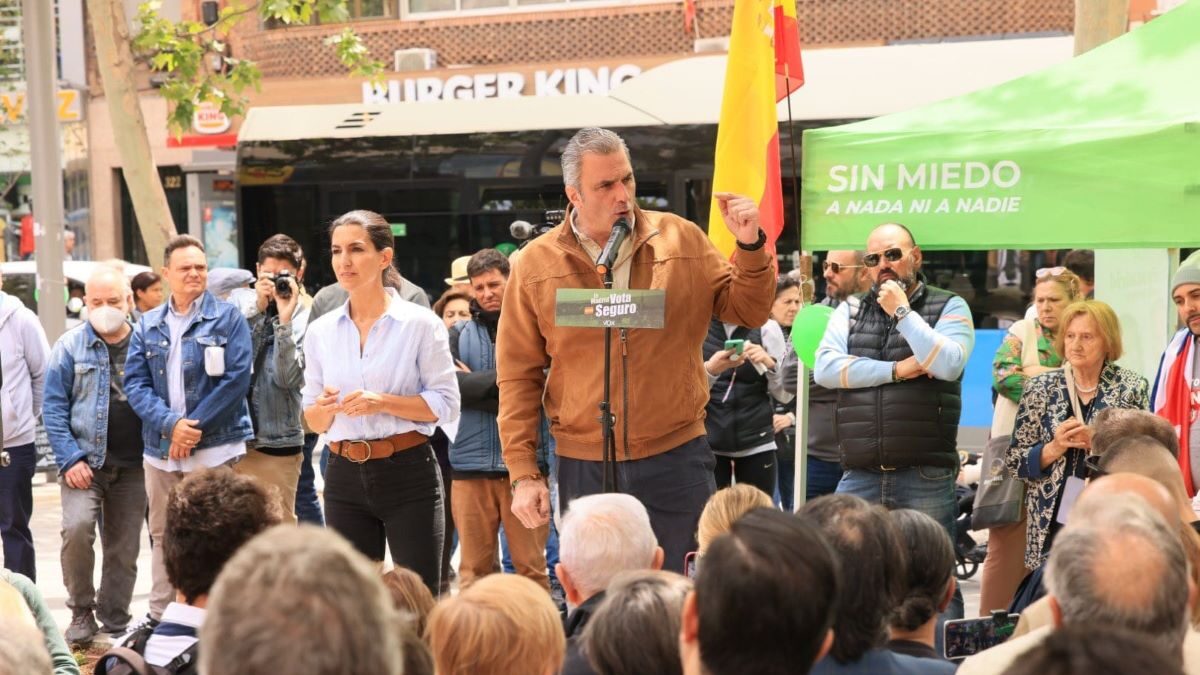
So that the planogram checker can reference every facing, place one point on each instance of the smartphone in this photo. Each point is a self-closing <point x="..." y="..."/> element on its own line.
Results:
<point x="689" y="565"/>
<point x="967" y="637"/>
<point x="735" y="345"/>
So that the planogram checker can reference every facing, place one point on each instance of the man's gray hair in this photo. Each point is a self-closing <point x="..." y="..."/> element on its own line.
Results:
<point x="300" y="600"/>
<point x="591" y="139"/>
<point x="113" y="273"/>
<point x="1122" y="566"/>
<point x="602" y="536"/>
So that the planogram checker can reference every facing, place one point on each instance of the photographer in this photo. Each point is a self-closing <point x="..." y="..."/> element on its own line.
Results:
<point x="278" y="311"/>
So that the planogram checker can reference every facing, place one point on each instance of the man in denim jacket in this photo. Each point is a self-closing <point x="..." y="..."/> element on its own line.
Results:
<point x="278" y="319"/>
<point x="187" y="377"/>
<point x="96" y="438"/>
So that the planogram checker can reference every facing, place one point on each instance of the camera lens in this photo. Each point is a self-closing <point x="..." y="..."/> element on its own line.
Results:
<point x="283" y="286"/>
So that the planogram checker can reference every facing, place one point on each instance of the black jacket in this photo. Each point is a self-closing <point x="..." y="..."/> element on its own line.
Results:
<point x="740" y="420"/>
<point x="477" y="389"/>
<point x="900" y="424"/>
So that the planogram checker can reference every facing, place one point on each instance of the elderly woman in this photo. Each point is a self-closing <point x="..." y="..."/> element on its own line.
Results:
<point x="1027" y="351"/>
<point x="1052" y="436"/>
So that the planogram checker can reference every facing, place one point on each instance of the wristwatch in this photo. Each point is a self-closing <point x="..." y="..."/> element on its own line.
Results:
<point x="902" y="311"/>
<point x="762" y="239"/>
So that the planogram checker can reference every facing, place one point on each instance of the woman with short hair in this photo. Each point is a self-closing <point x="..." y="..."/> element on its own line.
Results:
<point x="1052" y="436"/>
<point x="503" y="624"/>
<point x="1026" y="352"/>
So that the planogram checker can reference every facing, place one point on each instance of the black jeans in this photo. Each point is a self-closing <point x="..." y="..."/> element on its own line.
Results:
<point x="760" y="470"/>
<point x="397" y="500"/>
<point x="673" y="486"/>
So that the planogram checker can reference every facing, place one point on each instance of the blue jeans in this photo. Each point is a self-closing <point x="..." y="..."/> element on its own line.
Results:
<point x="928" y="489"/>
<point x="308" y="507"/>
<point x="16" y="507"/>
<point x="823" y="477"/>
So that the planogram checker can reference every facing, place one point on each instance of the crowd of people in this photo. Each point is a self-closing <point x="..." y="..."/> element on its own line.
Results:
<point x="474" y="426"/>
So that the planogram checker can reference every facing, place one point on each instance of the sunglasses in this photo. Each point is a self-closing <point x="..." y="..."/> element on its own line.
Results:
<point x="1049" y="272"/>
<point x="837" y="268"/>
<point x="891" y="255"/>
<point x="1092" y="464"/>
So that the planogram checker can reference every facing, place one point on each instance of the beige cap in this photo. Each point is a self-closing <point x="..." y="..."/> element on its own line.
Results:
<point x="458" y="271"/>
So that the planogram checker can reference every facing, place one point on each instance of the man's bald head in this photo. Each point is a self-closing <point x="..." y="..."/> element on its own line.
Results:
<point x="1123" y="565"/>
<point x="106" y="279"/>
<point x="892" y="232"/>
<point x="1120" y="486"/>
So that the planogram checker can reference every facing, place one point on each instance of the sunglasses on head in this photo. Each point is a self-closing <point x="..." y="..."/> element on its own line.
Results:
<point x="837" y="267"/>
<point x="1049" y="272"/>
<point x="891" y="255"/>
<point x="1092" y="464"/>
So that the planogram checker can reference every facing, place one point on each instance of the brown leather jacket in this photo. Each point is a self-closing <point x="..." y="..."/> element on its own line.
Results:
<point x="659" y="388"/>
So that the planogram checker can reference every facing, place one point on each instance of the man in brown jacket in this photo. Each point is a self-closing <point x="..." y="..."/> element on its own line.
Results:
<point x="659" y="387"/>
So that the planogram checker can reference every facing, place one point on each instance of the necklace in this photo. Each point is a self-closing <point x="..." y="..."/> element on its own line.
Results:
<point x="1086" y="391"/>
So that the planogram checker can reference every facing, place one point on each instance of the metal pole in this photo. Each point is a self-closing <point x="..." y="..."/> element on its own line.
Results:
<point x="45" y="150"/>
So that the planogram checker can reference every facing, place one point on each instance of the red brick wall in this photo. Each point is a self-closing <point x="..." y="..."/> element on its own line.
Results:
<point x="637" y="30"/>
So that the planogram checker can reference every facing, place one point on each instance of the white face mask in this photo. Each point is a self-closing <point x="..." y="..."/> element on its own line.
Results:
<point x="105" y="319"/>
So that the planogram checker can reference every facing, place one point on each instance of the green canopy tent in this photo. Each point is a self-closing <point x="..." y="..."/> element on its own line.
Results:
<point x="1102" y="150"/>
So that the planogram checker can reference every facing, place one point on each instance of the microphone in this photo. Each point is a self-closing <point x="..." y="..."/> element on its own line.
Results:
<point x="520" y="230"/>
<point x="608" y="256"/>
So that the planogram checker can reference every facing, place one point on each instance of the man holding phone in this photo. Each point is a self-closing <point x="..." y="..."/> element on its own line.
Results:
<point x="896" y="356"/>
<point x="659" y="386"/>
<point x="186" y="377"/>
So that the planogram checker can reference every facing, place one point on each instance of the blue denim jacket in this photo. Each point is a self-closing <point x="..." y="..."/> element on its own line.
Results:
<point x="75" y="405"/>
<point x="219" y="403"/>
<point x="276" y="401"/>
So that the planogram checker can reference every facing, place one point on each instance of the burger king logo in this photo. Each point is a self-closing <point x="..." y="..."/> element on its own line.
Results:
<point x="208" y="119"/>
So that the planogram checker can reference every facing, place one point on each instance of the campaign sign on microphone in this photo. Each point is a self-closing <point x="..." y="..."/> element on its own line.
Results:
<point x="598" y="308"/>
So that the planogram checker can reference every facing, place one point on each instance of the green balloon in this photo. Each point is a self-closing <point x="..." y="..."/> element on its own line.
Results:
<point x="506" y="247"/>
<point x="807" y="331"/>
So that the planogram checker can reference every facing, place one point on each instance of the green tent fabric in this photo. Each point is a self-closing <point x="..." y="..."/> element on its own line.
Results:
<point x="1102" y="150"/>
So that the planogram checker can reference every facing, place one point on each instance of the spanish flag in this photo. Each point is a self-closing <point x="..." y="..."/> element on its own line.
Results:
<point x="763" y="68"/>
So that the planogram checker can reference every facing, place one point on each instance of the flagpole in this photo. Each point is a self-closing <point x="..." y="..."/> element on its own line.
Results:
<point x="800" y="477"/>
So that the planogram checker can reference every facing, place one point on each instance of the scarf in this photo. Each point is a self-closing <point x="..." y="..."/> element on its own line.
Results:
<point x="1173" y="397"/>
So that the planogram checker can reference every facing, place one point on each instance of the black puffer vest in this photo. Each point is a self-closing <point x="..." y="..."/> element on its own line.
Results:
<point x="743" y="420"/>
<point x="902" y="424"/>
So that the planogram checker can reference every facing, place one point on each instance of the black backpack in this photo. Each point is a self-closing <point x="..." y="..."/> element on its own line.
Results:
<point x="127" y="659"/>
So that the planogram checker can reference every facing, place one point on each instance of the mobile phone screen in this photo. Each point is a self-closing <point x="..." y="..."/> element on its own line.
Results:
<point x="689" y="565"/>
<point x="967" y="637"/>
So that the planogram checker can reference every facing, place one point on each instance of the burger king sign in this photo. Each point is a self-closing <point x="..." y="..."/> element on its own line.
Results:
<point x="208" y="119"/>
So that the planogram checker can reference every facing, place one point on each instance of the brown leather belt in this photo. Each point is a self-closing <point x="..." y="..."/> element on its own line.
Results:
<point x="361" y="451"/>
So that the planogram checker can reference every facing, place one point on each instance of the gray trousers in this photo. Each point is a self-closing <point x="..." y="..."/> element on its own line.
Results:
<point x="116" y="501"/>
<point x="673" y="486"/>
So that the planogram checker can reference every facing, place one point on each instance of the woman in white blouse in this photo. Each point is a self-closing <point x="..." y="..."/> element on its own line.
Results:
<point x="378" y="379"/>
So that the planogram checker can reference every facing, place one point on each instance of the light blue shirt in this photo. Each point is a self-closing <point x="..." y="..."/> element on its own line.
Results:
<point x="407" y="353"/>
<point x="942" y="349"/>
<point x="177" y="325"/>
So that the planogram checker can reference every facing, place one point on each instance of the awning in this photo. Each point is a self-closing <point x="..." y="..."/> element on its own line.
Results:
<point x="849" y="83"/>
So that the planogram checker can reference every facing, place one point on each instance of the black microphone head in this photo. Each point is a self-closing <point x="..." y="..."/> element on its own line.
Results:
<point x="623" y="222"/>
<point x="520" y="230"/>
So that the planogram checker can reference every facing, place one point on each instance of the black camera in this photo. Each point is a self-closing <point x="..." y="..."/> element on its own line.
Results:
<point x="283" y="281"/>
<point x="527" y="232"/>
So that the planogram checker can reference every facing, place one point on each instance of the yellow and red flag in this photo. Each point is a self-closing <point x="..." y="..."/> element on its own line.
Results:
<point x="763" y="68"/>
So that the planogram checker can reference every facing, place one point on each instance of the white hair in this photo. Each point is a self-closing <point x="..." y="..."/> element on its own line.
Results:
<point x="591" y="139"/>
<point x="113" y="273"/>
<point x="602" y="536"/>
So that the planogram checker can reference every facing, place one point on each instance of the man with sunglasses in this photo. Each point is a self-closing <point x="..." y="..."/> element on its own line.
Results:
<point x="896" y="356"/>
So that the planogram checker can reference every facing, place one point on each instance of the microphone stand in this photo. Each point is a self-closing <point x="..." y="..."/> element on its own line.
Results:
<point x="604" y="266"/>
<point x="607" y="419"/>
